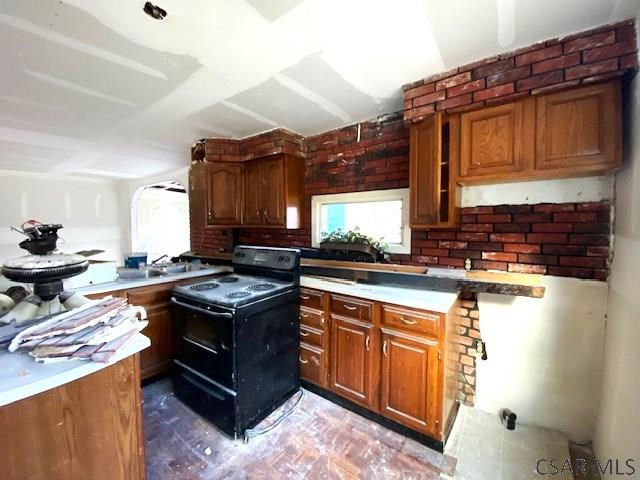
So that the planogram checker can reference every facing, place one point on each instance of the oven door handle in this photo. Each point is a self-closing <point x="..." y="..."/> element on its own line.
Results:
<point x="201" y="310"/>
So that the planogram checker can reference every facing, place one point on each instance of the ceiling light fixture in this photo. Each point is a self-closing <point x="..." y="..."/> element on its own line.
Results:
<point x="154" y="11"/>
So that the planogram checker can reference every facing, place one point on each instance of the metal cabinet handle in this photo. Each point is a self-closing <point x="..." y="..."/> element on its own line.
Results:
<point x="366" y="342"/>
<point x="315" y="360"/>
<point x="384" y="348"/>
<point x="322" y="319"/>
<point x="305" y="297"/>
<point x="303" y="361"/>
<point x="403" y="319"/>
<point x="304" y="334"/>
<point x="349" y="307"/>
<point x="304" y="315"/>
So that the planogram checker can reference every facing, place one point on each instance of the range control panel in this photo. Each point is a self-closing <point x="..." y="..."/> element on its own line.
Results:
<point x="267" y="257"/>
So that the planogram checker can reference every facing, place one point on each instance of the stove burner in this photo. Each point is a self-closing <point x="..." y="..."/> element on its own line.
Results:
<point x="238" y="294"/>
<point x="205" y="286"/>
<point x="261" y="287"/>
<point x="227" y="279"/>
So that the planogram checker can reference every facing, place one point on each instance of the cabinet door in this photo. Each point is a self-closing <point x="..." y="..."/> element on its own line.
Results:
<point x="579" y="129"/>
<point x="253" y="194"/>
<point x="426" y="152"/>
<point x="410" y="380"/>
<point x="351" y="360"/>
<point x="273" y="198"/>
<point x="224" y="194"/>
<point x="156" y="358"/>
<point x="198" y="195"/>
<point x="497" y="141"/>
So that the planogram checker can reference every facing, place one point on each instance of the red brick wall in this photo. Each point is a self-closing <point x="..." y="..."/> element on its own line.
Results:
<point x="585" y="57"/>
<point x="468" y="326"/>
<point x="565" y="240"/>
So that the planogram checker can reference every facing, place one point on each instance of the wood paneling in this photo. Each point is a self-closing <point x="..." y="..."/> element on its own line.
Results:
<point x="351" y="359"/>
<point x="87" y="429"/>
<point x="497" y="140"/>
<point x="224" y="193"/>
<point x="579" y="129"/>
<point x="410" y="374"/>
<point x="253" y="185"/>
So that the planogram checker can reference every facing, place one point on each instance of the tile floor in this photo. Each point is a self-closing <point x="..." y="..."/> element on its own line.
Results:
<point x="323" y="440"/>
<point x="485" y="450"/>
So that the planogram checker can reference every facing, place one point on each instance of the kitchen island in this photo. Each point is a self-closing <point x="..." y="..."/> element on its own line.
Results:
<point x="72" y="420"/>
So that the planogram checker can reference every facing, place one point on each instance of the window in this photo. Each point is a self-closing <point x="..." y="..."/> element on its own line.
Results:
<point x="381" y="214"/>
<point x="160" y="215"/>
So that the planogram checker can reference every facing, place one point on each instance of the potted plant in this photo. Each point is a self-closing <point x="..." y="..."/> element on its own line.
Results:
<point x="353" y="241"/>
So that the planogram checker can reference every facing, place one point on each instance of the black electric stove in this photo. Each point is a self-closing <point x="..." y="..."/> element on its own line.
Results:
<point x="236" y="339"/>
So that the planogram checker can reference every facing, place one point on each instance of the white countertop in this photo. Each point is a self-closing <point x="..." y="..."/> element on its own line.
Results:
<point x="144" y="282"/>
<point x="440" y="302"/>
<point x="21" y="376"/>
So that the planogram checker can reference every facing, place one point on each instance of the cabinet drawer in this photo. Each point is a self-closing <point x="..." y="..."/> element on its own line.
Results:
<point x="352" y="307"/>
<point x="311" y="335"/>
<point x="311" y="363"/>
<point x="312" y="318"/>
<point x="311" y="298"/>
<point x="423" y="322"/>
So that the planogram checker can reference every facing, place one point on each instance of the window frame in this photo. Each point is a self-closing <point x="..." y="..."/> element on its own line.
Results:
<point x="402" y="194"/>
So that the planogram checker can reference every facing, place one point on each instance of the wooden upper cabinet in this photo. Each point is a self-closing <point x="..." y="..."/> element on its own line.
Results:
<point x="224" y="193"/>
<point x="433" y="172"/>
<point x="253" y="186"/>
<point x="426" y="151"/>
<point x="496" y="142"/>
<point x="274" y="196"/>
<point x="352" y="358"/>
<point x="198" y="195"/>
<point x="579" y="129"/>
<point x="571" y="133"/>
<point x="410" y="374"/>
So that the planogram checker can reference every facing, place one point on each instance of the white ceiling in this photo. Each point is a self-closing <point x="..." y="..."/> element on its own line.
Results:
<point x="96" y="87"/>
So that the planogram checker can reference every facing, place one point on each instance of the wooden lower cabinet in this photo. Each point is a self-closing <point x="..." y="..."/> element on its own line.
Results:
<point x="90" y="428"/>
<point x="410" y="369"/>
<point x="392" y="364"/>
<point x="351" y="359"/>
<point x="156" y="299"/>
<point x="312" y="363"/>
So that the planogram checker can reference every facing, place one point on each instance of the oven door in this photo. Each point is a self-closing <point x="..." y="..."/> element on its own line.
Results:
<point x="203" y="340"/>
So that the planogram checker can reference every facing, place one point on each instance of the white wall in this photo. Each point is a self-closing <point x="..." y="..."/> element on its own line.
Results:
<point x="568" y="190"/>
<point x="88" y="208"/>
<point x="544" y="355"/>
<point x="618" y="427"/>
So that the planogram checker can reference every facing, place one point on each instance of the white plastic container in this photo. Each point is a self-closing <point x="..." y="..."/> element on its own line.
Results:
<point x="99" y="271"/>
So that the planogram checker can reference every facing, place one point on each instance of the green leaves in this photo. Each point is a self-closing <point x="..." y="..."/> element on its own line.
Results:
<point x="353" y="236"/>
